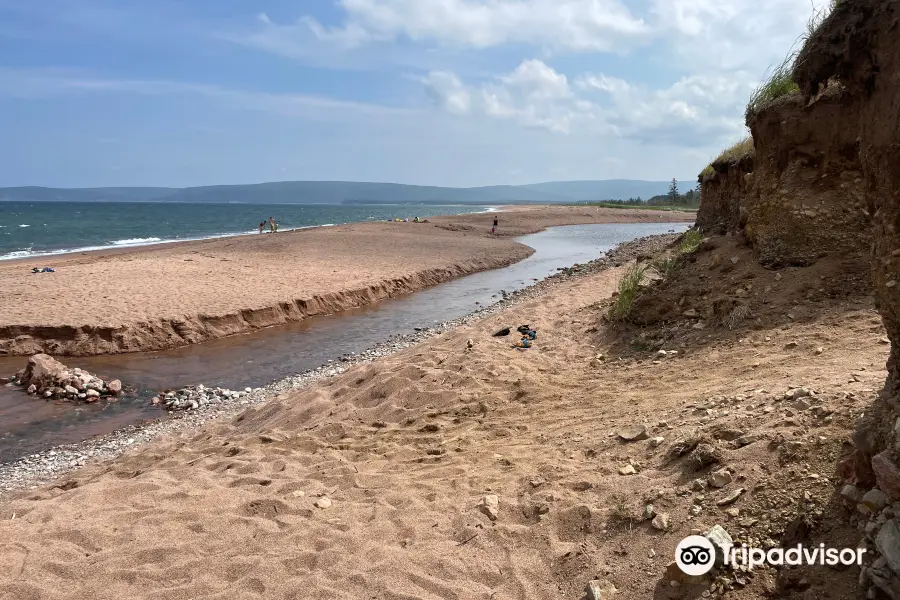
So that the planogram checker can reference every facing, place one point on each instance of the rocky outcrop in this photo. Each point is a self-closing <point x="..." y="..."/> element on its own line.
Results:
<point x="724" y="189"/>
<point x="858" y="49"/>
<point x="806" y="200"/>
<point x="47" y="377"/>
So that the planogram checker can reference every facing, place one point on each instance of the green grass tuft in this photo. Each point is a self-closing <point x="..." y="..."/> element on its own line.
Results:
<point x="780" y="83"/>
<point x="737" y="151"/>
<point x="707" y="173"/>
<point x="690" y="242"/>
<point x="628" y="288"/>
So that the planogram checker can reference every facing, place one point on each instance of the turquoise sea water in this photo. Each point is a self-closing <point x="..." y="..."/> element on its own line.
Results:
<point x="39" y="228"/>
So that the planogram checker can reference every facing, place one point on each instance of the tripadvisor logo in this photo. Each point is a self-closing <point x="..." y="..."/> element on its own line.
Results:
<point x="696" y="555"/>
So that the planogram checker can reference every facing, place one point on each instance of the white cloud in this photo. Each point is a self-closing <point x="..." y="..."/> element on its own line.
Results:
<point x="580" y="25"/>
<point x="448" y="91"/>
<point x="694" y="110"/>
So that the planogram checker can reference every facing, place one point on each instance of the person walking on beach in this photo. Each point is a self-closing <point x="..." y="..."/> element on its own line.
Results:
<point x="496" y="225"/>
<point x="262" y="226"/>
<point x="271" y="225"/>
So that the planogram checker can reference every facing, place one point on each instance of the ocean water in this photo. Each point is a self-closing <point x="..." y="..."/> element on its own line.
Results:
<point x="42" y="228"/>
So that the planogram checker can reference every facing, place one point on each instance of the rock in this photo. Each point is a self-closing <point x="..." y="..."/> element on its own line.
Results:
<point x="888" y="544"/>
<point x="47" y="394"/>
<point x="43" y="370"/>
<point x="633" y="433"/>
<point x="661" y="522"/>
<point x="656" y="442"/>
<point x="731" y="498"/>
<point x="690" y="313"/>
<point x="470" y="343"/>
<point x="887" y="475"/>
<point x="114" y="386"/>
<point x="71" y="390"/>
<point x="649" y="512"/>
<point x="796" y="393"/>
<point x="92" y="393"/>
<point x="600" y="589"/>
<point x="695" y="510"/>
<point x="323" y="502"/>
<point x="32" y="389"/>
<point x="155" y="400"/>
<point x="720" y="478"/>
<point x="819" y="351"/>
<point x="248" y="390"/>
<point x="851" y="493"/>
<point x="873" y="501"/>
<point x="627" y="470"/>
<point x="791" y="345"/>
<point x="722" y="541"/>
<point x="490" y="505"/>
<point x="801" y="404"/>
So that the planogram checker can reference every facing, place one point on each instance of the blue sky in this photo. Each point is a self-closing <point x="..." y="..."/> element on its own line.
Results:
<point x="439" y="92"/>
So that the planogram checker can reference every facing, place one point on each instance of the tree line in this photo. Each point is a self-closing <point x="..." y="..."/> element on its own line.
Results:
<point x="690" y="198"/>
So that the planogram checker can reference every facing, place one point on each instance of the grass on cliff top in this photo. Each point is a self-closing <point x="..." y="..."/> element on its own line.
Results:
<point x="736" y="151"/>
<point x="732" y="154"/>
<point x="780" y="83"/>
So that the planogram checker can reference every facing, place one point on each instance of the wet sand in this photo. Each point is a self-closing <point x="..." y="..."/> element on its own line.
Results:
<point x="171" y="295"/>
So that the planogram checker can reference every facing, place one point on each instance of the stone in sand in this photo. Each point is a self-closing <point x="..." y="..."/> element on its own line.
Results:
<point x="661" y="522"/>
<point x="600" y="589"/>
<point x="720" y="478"/>
<point x="114" y="386"/>
<point x="633" y="433"/>
<point x="323" y="503"/>
<point x="490" y="505"/>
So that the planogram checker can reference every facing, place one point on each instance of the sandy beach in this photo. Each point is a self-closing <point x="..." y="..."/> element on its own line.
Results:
<point x="376" y="483"/>
<point x="169" y="295"/>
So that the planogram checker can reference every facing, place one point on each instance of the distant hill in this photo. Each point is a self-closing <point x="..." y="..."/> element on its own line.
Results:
<point x="348" y="192"/>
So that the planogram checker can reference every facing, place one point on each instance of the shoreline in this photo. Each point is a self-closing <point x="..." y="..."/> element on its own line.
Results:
<point x="151" y="299"/>
<point x="41" y="468"/>
<point x="150" y="243"/>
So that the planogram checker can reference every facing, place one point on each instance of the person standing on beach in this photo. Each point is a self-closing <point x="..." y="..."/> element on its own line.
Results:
<point x="496" y="225"/>
<point x="271" y="224"/>
<point x="262" y="225"/>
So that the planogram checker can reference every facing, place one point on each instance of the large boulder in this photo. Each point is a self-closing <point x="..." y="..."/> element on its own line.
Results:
<point x="43" y="371"/>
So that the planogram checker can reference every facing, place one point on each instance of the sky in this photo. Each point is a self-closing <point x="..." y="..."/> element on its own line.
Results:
<point x="429" y="92"/>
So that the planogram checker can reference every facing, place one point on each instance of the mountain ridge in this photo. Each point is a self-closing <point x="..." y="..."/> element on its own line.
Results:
<point x="349" y="192"/>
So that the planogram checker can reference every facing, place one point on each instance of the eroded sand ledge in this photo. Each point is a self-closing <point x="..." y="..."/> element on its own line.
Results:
<point x="165" y="296"/>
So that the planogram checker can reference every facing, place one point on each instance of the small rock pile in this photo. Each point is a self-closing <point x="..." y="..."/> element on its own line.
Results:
<point x="877" y="516"/>
<point x="50" y="378"/>
<point x="195" y="397"/>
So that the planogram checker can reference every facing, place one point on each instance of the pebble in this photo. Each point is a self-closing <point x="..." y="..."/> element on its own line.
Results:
<point x="323" y="502"/>
<point x="731" y="498"/>
<point x="490" y="505"/>
<point x="720" y="478"/>
<point x="661" y="522"/>
<point x="627" y="470"/>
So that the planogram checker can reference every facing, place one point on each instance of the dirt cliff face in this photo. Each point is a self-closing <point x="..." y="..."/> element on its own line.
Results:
<point x="722" y="195"/>
<point x="859" y="46"/>
<point x="807" y="196"/>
